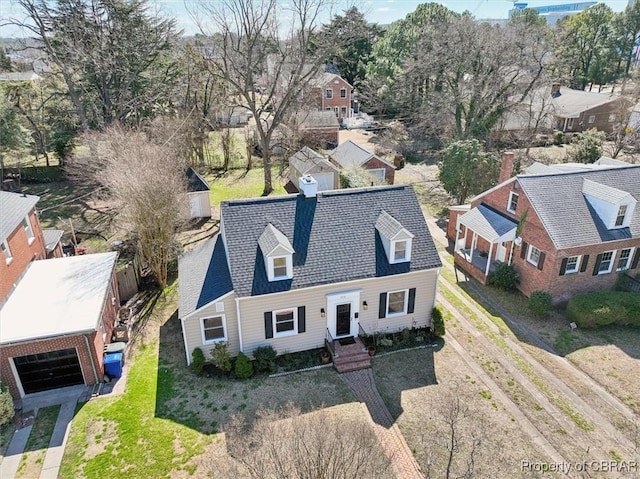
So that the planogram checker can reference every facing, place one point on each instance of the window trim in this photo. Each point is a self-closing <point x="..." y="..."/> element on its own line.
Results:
<point x="631" y="250"/>
<point x="271" y="275"/>
<point x="28" y="229"/>
<point x="407" y="255"/>
<point x="329" y="93"/>
<point x="405" y="306"/>
<point x="7" y="252"/>
<point x="384" y="173"/>
<point x="611" y="261"/>
<point x="224" y="329"/>
<point x="529" y="251"/>
<point x="345" y="93"/>
<point x="624" y="216"/>
<point x="274" y="316"/>
<point x="591" y="119"/>
<point x="512" y="194"/>
<point x="577" y="269"/>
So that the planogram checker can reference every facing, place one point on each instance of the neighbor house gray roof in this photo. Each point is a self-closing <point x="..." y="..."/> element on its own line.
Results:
<point x="309" y="161"/>
<point x="51" y="238"/>
<point x="204" y="276"/>
<point x="317" y="119"/>
<point x="351" y="154"/>
<point x="570" y="221"/>
<point x="13" y="208"/>
<point x="57" y="296"/>
<point x="334" y="237"/>
<point x="570" y="103"/>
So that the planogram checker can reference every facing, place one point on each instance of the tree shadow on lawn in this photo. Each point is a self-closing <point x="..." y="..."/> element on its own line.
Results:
<point x="206" y="404"/>
<point x="403" y="371"/>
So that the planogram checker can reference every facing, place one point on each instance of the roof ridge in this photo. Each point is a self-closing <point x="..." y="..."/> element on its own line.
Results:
<point x="577" y="172"/>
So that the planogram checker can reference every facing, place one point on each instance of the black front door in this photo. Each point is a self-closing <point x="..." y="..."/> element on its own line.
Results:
<point x="343" y="319"/>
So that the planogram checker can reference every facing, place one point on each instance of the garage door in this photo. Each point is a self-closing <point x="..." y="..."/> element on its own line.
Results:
<point x="325" y="181"/>
<point x="55" y="369"/>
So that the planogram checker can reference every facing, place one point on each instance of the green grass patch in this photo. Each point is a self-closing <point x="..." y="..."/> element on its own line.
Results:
<point x="42" y="428"/>
<point x="592" y="310"/>
<point x="236" y="184"/>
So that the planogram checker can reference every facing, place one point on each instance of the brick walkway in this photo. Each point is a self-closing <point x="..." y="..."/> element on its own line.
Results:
<point x="363" y="384"/>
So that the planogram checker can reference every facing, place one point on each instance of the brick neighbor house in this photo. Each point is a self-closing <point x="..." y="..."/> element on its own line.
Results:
<point x="565" y="229"/>
<point x="334" y="94"/>
<point x="56" y="313"/>
<point x="22" y="240"/>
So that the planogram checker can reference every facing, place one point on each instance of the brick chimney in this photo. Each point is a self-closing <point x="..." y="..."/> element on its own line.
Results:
<point x="555" y="90"/>
<point x="506" y="166"/>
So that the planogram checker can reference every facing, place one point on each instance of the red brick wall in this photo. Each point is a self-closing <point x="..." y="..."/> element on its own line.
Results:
<point x="23" y="253"/>
<point x="451" y="226"/>
<point x="373" y="163"/>
<point x="336" y="101"/>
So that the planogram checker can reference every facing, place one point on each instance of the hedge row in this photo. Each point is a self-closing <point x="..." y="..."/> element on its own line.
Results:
<point x="592" y="310"/>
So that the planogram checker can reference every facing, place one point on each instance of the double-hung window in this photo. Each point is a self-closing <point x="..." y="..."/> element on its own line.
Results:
<point x="624" y="259"/>
<point x="4" y="246"/>
<point x="513" y="202"/>
<point x="343" y="93"/>
<point x="572" y="264"/>
<point x="280" y="267"/>
<point x="213" y="329"/>
<point x="28" y="229"/>
<point x="606" y="262"/>
<point x="329" y="93"/>
<point x="397" y="302"/>
<point x="622" y="212"/>
<point x="533" y="256"/>
<point x="285" y="322"/>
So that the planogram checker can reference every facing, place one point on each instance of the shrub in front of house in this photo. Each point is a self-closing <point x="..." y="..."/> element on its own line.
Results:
<point x="6" y="405"/>
<point x="540" y="303"/>
<point x="592" y="310"/>
<point x="244" y="368"/>
<point x="220" y="357"/>
<point x="504" y="276"/>
<point x="197" y="361"/>
<point x="265" y="359"/>
<point x="438" y="321"/>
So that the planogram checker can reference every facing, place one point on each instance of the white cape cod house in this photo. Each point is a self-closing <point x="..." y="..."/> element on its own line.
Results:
<point x="298" y="270"/>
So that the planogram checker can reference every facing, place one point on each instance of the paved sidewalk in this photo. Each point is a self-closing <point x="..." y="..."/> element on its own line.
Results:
<point x="11" y="461"/>
<point x="363" y="384"/>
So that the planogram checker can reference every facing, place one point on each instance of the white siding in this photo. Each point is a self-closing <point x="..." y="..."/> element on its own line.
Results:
<point x="199" y="204"/>
<point x="252" y="310"/>
<point x="193" y="332"/>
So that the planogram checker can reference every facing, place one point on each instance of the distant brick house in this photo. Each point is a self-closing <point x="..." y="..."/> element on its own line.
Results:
<point x="565" y="230"/>
<point x="351" y="154"/>
<point x="334" y="94"/>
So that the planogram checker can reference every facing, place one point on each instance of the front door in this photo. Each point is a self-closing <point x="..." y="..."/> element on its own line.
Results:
<point x="501" y="252"/>
<point x="343" y="319"/>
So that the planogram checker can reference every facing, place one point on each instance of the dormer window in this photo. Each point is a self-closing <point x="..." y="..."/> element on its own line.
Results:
<point x="613" y="206"/>
<point x="277" y="252"/>
<point x="396" y="239"/>
<point x="622" y="212"/>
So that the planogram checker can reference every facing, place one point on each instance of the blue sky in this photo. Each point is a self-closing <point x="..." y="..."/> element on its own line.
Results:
<point x="377" y="11"/>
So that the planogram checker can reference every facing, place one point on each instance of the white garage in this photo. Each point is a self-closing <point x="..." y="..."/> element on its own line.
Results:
<point x="309" y="162"/>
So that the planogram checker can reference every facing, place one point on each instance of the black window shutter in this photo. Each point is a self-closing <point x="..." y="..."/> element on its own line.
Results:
<point x="596" y="267"/>
<point x="382" y="312"/>
<point x="541" y="261"/>
<point x="584" y="263"/>
<point x="302" y="323"/>
<point x="636" y="259"/>
<point x="523" y="250"/>
<point x="268" y="325"/>
<point x="563" y="266"/>
<point x="412" y="301"/>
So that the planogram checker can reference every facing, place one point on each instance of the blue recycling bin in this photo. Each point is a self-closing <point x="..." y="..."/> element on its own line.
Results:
<point x="113" y="364"/>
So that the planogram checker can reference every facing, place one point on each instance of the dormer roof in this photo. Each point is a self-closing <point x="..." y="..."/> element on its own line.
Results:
<point x="391" y="228"/>
<point x="272" y="242"/>
<point x="602" y="192"/>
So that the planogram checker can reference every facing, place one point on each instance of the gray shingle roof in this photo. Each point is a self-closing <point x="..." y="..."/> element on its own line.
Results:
<point x="317" y="119"/>
<point x="271" y="238"/>
<point x="565" y="212"/>
<point x="51" y="238"/>
<point x="204" y="276"/>
<point x="487" y="222"/>
<point x="307" y="160"/>
<point x="387" y="225"/>
<point x="195" y="181"/>
<point x="13" y="208"/>
<point x="334" y="237"/>
<point x="351" y="154"/>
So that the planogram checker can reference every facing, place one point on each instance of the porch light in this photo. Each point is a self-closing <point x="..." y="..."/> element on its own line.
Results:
<point x="365" y="306"/>
<point x="322" y="312"/>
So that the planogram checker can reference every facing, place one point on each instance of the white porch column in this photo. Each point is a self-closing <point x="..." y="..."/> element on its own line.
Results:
<point x="486" y="270"/>
<point x="474" y="243"/>
<point x="510" y="253"/>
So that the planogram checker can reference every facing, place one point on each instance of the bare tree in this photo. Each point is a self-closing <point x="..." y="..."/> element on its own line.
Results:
<point x="320" y="445"/>
<point x="455" y="442"/>
<point x="146" y="181"/>
<point x="266" y="62"/>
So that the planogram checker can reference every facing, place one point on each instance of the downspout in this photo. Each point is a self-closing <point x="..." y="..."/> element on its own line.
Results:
<point x="184" y="338"/>
<point x="239" y="324"/>
<point x="93" y="363"/>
